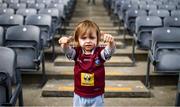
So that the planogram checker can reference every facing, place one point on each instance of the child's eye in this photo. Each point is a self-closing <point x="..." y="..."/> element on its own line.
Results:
<point x="92" y="37"/>
<point x="83" y="37"/>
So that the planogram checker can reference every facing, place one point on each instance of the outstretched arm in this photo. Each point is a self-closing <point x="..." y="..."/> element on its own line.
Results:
<point x="67" y="49"/>
<point x="107" y="52"/>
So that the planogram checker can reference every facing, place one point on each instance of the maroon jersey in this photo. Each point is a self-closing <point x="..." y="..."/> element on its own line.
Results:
<point x="89" y="73"/>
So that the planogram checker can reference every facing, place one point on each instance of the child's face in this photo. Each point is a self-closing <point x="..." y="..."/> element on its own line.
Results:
<point x="88" y="41"/>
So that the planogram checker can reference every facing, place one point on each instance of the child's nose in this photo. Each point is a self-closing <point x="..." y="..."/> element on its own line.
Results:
<point x="88" y="40"/>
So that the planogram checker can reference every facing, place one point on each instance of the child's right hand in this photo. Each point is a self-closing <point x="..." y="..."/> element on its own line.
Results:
<point x="65" y="40"/>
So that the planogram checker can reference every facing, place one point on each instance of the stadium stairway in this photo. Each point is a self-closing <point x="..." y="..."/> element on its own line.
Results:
<point x="123" y="79"/>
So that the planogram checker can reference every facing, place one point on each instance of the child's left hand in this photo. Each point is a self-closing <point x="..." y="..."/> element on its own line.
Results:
<point x="107" y="37"/>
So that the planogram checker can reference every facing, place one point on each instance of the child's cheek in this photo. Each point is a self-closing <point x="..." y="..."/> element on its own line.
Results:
<point x="81" y="42"/>
<point x="94" y="42"/>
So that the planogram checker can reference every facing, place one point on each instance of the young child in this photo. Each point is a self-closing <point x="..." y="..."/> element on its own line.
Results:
<point x="89" y="57"/>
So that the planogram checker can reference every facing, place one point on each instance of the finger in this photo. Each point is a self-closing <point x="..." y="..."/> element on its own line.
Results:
<point x="59" y="41"/>
<point x="70" y="38"/>
<point x="105" y="38"/>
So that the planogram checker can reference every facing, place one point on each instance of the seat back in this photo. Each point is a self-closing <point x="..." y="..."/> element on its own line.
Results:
<point x="11" y="1"/>
<point x="172" y="21"/>
<point x="26" y="12"/>
<point x="166" y="48"/>
<point x="148" y="7"/>
<point x="27" y="1"/>
<point x="125" y="7"/>
<point x="3" y="5"/>
<point x="25" y="40"/>
<point x="168" y="7"/>
<point x="44" y="23"/>
<point x="7" y="67"/>
<point x="1" y="36"/>
<point x="144" y="26"/>
<point x="175" y="13"/>
<point x="161" y="13"/>
<point x="60" y="7"/>
<point x="37" y="6"/>
<point x="131" y="15"/>
<point x="54" y="13"/>
<point x="7" y="20"/>
<point x="6" y="11"/>
<point x="16" y="6"/>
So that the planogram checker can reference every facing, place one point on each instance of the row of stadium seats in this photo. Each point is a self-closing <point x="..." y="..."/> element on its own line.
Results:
<point x="155" y="26"/>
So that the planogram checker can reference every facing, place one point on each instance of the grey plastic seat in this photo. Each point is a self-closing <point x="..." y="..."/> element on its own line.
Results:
<point x="25" y="41"/>
<point x="3" y="5"/>
<point x="56" y="20"/>
<point x="44" y="1"/>
<point x="7" y="20"/>
<point x="160" y="12"/>
<point x="6" y="11"/>
<point x="44" y="22"/>
<point x="9" y="76"/>
<point x="175" y="13"/>
<point x="165" y="51"/>
<point x="27" y="1"/>
<point x="144" y="26"/>
<point x="60" y="7"/>
<point x="168" y="7"/>
<point x="36" y="6"/>
<point x="11" y="1"/>
<point x="1" y="36"/>
<point x="124" y="8"/>
<point x="172" y="21"/>
<point x="131" y="15"/>
<point x="17" y="6"/>
<point x="148" y="7"/>
<point x="129" y="23"/>
<point x="26" y="12"/>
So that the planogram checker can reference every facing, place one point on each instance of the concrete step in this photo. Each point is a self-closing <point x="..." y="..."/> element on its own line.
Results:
<point x="95" y="20"/>
<point x="65" y="88"/>
<point x="72" y="24"/>
<point x="93" y="17"/>
<point x="101" y="28"/>
<point x="105" y="19"/>
<point x="70" y="32"/>
<point x="90" y="9"/>
<point x="136" y="72"/>
<point x="114" y="61"/>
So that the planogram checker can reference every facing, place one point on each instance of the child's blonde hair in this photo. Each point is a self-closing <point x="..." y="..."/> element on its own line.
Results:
<point x="82" y="28"/>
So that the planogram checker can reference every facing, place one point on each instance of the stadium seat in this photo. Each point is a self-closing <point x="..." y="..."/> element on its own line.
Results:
<point x="143" y="29"/>
<point x="7" y="20"/>
<point x="37" y="6"/>
<point x="17" y="6"/>
<point x="160" y="12"/>
<point x="11" y="1"/>
<point x="129" y="23"/>
<point x="44" y="22"/>
<point x="6" y="11"/>
<point x="172" y="21"/>
<point x="165" y="51"/>
<point x="175" y="13"/>
<point x="56" y="19"/>
<point x="9" y="76"/>
<point x="3" y="5"/>
<point x="26" y="12"/>
<point x="27" y="1"/>
<point x="1" y="36"/>
<point x="25" y="41"/>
